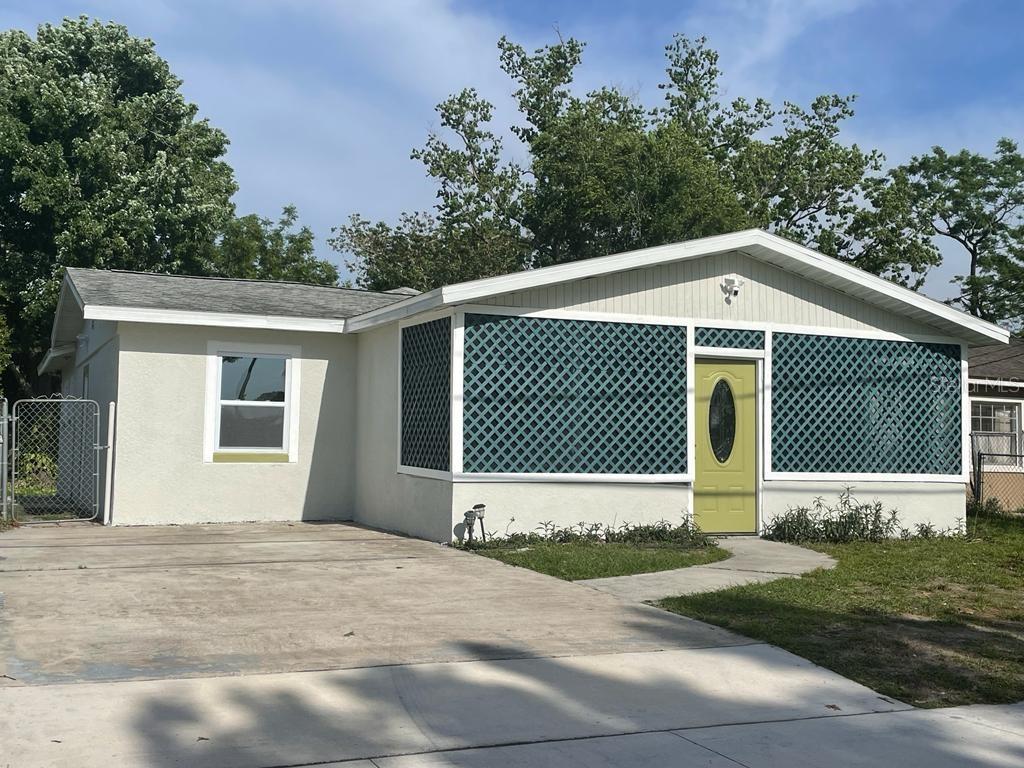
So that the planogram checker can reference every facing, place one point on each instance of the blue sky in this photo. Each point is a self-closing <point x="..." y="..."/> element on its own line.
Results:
<point x="323" y="101"/>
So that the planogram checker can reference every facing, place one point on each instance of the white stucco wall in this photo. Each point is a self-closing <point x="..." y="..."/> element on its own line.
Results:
<point x="522" y="507"/>
<point x="160" y="475"/>
<point x="385" y="499"/>
<point x="941" y="504"/>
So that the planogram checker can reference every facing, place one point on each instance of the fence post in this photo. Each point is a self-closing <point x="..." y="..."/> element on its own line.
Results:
<point x="979" y="480"/>
<point x="108" y="479"/>
<point x="6" y="446"/>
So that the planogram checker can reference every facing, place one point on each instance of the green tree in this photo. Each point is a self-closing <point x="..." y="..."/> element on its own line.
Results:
<point x="475" y="230"/>
<point x="257" y="248"/>
<point x="5" y="350"/>
<point x="607" y="174"/>
<point x="976" y="202"/>
<point x="102" y="164"/>
<point x="792" y="173"/>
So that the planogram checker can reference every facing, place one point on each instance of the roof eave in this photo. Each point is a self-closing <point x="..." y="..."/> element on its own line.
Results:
<point x="215" y="319"/>
<point x="924" y="309"/>
<point x="53" y="354"/>
<point x="400" y="310"/>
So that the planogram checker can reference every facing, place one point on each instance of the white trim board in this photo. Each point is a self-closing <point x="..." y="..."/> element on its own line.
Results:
<point x="997" y="383"/>
<point x="216" y="319"/>
<point x="569" y="477"/>
<point x="755" y="243"/>
<point x="746" y="325"/>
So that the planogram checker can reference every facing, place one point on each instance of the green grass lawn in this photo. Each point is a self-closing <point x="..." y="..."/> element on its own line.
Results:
<point x="593" y="560"/>
<point x="933" y="623"/>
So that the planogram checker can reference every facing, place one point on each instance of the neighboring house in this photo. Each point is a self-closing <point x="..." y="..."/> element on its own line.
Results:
<point x="729" y="377"/>
<point x="997" y="401"/>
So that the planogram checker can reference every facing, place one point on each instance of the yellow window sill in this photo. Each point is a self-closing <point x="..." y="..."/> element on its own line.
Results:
<point x="239" y="457"/>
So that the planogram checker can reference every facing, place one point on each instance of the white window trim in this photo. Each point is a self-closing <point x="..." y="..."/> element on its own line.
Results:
<point x="1016" y="403"/>
<point x="215" y="350"/>
<point x="997" y="401"/>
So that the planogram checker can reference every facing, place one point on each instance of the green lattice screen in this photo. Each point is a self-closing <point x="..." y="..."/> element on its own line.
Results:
<point x="573" y="396"/>
<point x="730" y="338"/>
<point x="426" y="394"/>
<point x="865" y="405"/>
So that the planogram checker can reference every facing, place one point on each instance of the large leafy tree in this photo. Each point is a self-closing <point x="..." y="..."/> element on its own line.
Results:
<point x="976" y="204"/>
<point x="257" y="248"/>
<point x="475" y="229"/>
<point x="606" y="174"/>
<point x="102" y="164"/>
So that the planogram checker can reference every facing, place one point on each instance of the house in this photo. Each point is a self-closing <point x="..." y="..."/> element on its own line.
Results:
<point x="728" y="377"/>
<point x="996" y="386"/>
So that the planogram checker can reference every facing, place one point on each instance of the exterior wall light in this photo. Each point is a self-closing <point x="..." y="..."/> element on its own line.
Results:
<point x="731" y="285"/>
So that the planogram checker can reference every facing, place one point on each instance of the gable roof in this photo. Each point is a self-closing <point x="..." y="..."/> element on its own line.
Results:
<point x="109" y="294"/>
<point x="998" y="362"/>
<point x="147" y="290"/>
<point x="755" y="243"/>
<point x="158" y="298"/>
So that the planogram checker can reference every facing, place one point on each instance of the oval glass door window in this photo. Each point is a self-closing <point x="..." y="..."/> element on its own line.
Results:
<point x="722" y="421"/>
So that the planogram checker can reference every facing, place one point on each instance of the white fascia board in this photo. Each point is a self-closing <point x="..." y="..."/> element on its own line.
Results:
<point x="854" y="276"/>
<point x="790" y="252"/>
<point x="52" y="355"/>
<point x="400" y="310"/>
<point x="218" y="319"/>
<point x="66" y="286"/>
<point x="996" y="383"/>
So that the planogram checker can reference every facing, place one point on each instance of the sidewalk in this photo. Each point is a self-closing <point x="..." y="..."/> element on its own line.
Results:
<point x="753" y="560"/>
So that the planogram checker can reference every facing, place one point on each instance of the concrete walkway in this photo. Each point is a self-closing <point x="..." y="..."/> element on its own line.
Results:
<point x="753" y="560"/>
<point x="266" y="646"/>
<point x="746" y="706"/>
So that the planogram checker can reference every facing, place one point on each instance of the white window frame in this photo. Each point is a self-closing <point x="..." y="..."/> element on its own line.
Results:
<point x="215" y="352"/>
<point x="1018" y="407"/>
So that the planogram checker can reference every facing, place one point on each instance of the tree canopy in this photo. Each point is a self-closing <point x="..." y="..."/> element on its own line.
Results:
<point x="257" y="248"/>
<point x="607" y="173"/>
<point x="103" y="163"/>
<point x="976" y="203"/>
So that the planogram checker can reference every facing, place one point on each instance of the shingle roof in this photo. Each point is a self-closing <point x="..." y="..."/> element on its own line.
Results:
<point x="1004" y="362"/>
<point x="114" y="288"/>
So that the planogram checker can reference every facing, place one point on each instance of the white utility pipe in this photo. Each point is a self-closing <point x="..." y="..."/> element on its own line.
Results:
<point x="108" y="480"/>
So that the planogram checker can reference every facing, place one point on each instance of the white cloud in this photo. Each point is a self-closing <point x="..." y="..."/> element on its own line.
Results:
<point x="757" y="37"/>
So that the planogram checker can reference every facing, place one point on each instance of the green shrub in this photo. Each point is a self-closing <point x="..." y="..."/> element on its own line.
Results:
<point x="990" y="508"/>
<point x="846" y="520"/>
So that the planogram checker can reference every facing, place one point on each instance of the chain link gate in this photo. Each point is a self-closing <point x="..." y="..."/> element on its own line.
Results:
<point x="54" y="460"/>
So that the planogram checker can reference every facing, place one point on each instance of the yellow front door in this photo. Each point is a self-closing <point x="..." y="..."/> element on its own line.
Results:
<point x="725" y="486"/>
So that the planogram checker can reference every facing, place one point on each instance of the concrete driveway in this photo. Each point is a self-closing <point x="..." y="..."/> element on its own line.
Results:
<point x="287" y="645"/>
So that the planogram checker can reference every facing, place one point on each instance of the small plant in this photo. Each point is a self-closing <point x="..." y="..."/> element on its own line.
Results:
<point x="687" y="534"/>
<point x="989" y="508"/>
<point x="846" y="520"/>
<point x="36" y="474"/>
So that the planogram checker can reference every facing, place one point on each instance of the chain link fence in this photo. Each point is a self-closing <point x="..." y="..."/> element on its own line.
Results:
<point x="999" y="481"/>
<point x="54" y="460"/>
